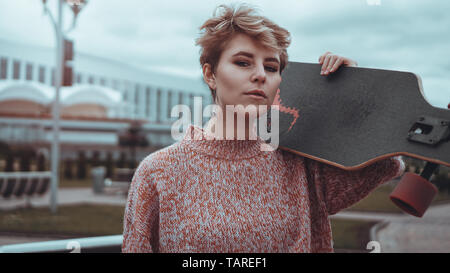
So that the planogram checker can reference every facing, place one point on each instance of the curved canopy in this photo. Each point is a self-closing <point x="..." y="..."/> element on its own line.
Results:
<point x="90" y="94"/>
<point x="30" y="91"/>
<point x="43" y="94"/>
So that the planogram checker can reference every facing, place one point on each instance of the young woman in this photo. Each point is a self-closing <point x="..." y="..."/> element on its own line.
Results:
<point x="216" y="195"/>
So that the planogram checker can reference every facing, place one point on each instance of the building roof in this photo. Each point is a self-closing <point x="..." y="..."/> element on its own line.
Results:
<point x="87" y="64"/>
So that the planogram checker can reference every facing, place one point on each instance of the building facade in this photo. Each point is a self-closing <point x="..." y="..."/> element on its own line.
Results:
<point x="105" y="98"/>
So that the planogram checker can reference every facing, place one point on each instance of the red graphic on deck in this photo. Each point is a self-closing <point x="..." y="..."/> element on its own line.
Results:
<point x="285" y="109"/>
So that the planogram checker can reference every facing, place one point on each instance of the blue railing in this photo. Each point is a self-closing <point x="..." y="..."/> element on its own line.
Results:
<point x="100" y="244"/>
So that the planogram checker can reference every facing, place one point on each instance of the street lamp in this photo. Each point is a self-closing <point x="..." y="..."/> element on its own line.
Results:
<point x="76" y="6"/>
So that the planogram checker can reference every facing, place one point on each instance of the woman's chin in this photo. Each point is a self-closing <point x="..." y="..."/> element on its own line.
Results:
<point x="248" y="109"/>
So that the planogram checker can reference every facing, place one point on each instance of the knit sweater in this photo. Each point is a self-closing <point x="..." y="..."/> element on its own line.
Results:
<point x="230" y="196"/>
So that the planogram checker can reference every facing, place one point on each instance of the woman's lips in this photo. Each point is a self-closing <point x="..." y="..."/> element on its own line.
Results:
<point x="257" y="94"/>
<point x="257" y="97"/>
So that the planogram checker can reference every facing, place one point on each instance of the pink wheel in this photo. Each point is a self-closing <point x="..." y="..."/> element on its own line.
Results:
<point x="413" y="194"/>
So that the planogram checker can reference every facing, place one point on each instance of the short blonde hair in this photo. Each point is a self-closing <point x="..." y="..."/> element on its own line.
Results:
<point x="227" y="21"/>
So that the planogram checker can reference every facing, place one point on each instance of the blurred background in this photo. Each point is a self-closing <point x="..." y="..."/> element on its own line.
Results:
<point x="126" y="63"/>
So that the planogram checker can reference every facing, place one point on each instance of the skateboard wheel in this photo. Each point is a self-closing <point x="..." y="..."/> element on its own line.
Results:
<point x="413" y="194"/>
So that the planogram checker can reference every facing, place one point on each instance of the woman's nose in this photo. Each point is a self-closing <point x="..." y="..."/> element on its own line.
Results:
<point x="259" y="74"/>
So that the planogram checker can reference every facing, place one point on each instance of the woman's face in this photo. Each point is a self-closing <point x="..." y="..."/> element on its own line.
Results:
<point x="245" y="66"/>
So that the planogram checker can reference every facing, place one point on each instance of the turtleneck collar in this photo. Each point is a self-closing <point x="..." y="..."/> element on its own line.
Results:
<point x="205" y="143"/>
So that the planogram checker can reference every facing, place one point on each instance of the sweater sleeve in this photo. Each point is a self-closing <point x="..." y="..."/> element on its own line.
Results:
<point x="141" y="220"/>
<point x="341" y="189"/>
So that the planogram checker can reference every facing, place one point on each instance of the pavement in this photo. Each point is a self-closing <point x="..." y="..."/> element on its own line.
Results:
<point x="429" y="234"/>
<point x="403" y="233"/>
<point x="395" y="233"/>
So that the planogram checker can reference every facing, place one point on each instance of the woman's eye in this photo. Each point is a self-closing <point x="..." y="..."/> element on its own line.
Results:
<point x="242" y="63"/>
<point x="271" y="69"/>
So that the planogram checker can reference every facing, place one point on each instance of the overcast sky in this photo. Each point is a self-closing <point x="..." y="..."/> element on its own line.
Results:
<point x="405" y="35"/>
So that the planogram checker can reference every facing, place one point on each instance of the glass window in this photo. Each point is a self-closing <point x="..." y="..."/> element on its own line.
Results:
<point x="29" y="72"/>
<point x="136" y="99"/>
<point x="147" y="101"/>
<point x="53" y="81"/>
<point x="41" y="74"/>
<point x="74" y="77"/>
<point x="3" y="68"/>
<point x="16" y="70"/>
<point x="158" y="105"/>
<point x="169" y="103"/>
<point x="180" y="98"/>
<point x="191" y="102"/>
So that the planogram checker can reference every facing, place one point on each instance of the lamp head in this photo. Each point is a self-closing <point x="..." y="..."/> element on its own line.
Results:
<point x="76" y="5"/>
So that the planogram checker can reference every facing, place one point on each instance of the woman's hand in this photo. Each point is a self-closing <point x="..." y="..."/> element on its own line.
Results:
<point x="330" y="62"/>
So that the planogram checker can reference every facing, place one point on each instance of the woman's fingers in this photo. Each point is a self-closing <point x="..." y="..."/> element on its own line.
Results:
<point x="327" y="64"/>
<point x="350" y="62"/>
<point x="331" y="62"/>
<point x="337" y="63"/>
<point x="322" y="57"/>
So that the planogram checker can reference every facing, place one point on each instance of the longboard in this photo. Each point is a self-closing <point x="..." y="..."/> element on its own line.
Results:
<point x="357" y="116"/>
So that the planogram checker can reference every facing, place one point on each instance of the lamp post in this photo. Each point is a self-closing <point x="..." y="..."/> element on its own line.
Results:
<point x="76" y="6"/>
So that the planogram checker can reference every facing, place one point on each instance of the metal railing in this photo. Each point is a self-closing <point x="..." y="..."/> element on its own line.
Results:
<point x="21" y="184"/>
<point x="100" y="244"/>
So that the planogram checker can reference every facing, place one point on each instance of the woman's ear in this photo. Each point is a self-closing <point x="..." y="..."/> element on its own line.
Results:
<point x="208" y="76"/>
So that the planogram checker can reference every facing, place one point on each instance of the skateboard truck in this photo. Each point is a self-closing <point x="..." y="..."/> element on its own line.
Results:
<point x="429" y="130"/>
<point x="414" y="193"/>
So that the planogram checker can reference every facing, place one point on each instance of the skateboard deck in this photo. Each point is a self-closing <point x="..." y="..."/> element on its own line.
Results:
<point x="357" y="116"/>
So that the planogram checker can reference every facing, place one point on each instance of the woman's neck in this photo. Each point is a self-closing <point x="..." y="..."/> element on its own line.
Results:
<point x="233" y="126"/>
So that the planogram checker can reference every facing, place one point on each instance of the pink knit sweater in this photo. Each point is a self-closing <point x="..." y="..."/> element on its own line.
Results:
<point x="229" y="196"/>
